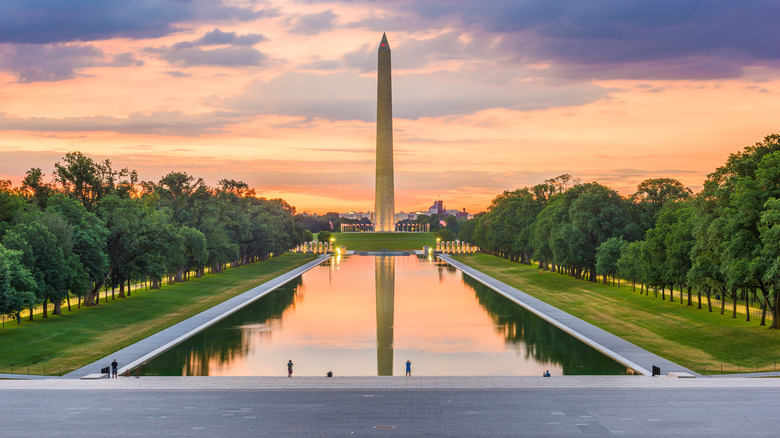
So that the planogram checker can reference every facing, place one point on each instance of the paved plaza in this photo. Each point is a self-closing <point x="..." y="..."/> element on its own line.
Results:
<point x="390" y="406"/>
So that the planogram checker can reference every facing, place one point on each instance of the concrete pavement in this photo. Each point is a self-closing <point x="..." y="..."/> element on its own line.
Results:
<point x="156" y="383"/>
<point x="390" y="406"/>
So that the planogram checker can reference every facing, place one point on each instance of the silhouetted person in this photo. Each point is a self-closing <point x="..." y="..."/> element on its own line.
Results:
<point x="289" y="368"/>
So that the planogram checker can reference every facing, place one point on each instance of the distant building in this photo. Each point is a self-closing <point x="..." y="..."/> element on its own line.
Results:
<point x="401" y="216"/>
<point x="460" y="214"/>
<point x="412" y="215"/>
<point x="357" y="215"/>
<point x="436" y="208"/>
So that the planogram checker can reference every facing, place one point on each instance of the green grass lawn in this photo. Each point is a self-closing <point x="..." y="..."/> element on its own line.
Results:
<point x="697" y="339"/>
<point x="380" y="241"/>
<point x="68" y="342"/>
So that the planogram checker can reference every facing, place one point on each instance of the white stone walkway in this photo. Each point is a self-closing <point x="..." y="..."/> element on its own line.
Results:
<point x="386" y="382"/>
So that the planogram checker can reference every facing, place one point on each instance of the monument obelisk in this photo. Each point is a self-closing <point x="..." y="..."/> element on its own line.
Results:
<point x="384" y="197"/>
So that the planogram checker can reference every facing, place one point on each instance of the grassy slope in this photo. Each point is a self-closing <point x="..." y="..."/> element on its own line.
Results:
<point x="379" y="241"/>
<point x="82" y="336"/>
<point x="691" y="337"/>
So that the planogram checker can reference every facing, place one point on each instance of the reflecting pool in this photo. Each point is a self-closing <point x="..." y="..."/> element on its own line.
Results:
<point x="368" y="315"/>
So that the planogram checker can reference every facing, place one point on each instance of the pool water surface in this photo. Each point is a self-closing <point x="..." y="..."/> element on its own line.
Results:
<point x="368" y="315"/>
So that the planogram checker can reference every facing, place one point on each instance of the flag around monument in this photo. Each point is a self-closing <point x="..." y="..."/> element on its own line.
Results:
<point x="384" y="199"/>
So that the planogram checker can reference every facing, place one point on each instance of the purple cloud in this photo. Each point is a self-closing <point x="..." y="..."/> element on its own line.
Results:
<point x="177" y="74"/>
<point x="237" y="53"/>
<point x="346" y="96"/>
<point x="52" y="21"/>
<point x="156" y="123"/>
<point x="57" y="62"/>
<point x="216" y="37"/>
<point x="312" y="24"/>
<point x="224" y="56"/>
<point x="687" y="39"/>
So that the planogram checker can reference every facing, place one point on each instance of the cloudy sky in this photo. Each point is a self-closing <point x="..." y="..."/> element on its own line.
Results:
<point x="489" y="95"/>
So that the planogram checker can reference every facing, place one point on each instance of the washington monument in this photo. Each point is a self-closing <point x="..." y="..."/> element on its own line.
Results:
<point x="384" y="198"/>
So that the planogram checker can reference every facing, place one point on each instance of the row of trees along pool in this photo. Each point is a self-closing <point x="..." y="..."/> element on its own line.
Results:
<point x="94" y="227"/>
<point x="723" y="241"/>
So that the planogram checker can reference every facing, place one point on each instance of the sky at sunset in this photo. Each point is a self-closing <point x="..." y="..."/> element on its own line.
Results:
<point x="488" y="95"/>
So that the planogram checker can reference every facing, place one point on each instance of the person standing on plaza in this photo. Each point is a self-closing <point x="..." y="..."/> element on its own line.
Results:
<point x="289" y="368"/>
<point x="114" y="366"/>
<point x="408" y="368"/>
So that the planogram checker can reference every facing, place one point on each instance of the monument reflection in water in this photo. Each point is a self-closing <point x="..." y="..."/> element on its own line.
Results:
<point x="385" y="309"/>
<point x="366" y="316"/>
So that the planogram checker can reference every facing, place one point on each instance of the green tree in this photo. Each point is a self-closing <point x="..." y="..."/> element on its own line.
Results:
<point x="770" y="254"/>
<point x="137" y="233"/>
<point x="43" y="257"/>
<point x="679" y="242"/>
<point x="11" y="204"/>
<point x="654" y="258"/>
<point x="188" y="252"/>
<point x="598" y="214"/>
<point x="734" y="198"/>
<point x="512" y="217"/>
<point x="88" y="244"/>
<point x="571" y="226"/>
<point x="176" y="191"/>
<point x="607" y="256"/>
<point x="425" y="219"/>
<point x="541" y="231"/>
<point x="478" y="236"/>
<point x="706" y="271"/>
<point x="446" y="235"/>
<point x="652" y="194"/>
<point x="221" y="248"/>
<point x="35" y="189"/>
<point x="466" y="233"/>
<point x="16" y="284"/>
<point x="324" y="236"/>
<point x="629" y="264"/>
<point x="88" y="181"/>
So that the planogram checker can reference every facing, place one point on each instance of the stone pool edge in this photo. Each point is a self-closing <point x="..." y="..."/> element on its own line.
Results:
<point x="154" y="345"/>
<point x="613" y="346"/>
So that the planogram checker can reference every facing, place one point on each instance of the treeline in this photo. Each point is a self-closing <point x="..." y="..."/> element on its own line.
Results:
<point x="96" y="227"/>
<point x="725" y="240"/>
